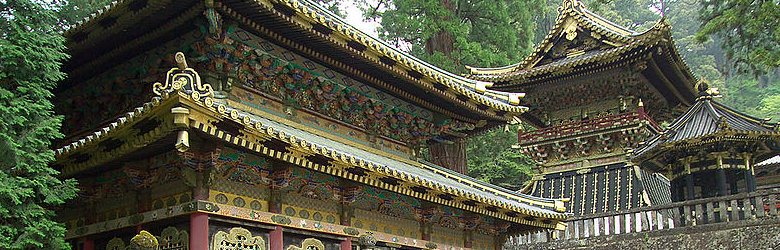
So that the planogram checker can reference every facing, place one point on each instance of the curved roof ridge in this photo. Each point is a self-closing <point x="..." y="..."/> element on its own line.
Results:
<point x="680" y="121"/>
<point x="706" y="117"/>
<point x="352" y="28"/>
<point x="576" y="10"/>
<point x="611" y="24"/>
<point x="711" y="109"/>
<point x="763" y="122"/>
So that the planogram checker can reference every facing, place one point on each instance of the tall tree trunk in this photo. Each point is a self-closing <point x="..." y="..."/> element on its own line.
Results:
<point x="451" y="156"/>
<point x="443" y="41"/>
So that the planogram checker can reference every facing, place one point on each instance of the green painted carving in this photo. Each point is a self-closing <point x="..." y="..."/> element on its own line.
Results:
<point x="241" y="58"/>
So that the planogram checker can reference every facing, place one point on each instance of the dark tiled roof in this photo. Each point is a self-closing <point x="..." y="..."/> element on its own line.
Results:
<point x="706" y="118"/>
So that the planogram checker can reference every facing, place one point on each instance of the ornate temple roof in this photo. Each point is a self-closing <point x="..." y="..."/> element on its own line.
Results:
<point x="299" y="24"/>
<point x="708" y="121"/>
<point x="191" y="106"/>
<point x="582" y="42"/>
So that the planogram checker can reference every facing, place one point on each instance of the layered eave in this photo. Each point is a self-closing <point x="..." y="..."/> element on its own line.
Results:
<point x="284" y="21"/>
<point x="625" y="48"/>
<point x="570" y="9"/>
<point x="707" y="121"/>
<point x="442" y="186"/>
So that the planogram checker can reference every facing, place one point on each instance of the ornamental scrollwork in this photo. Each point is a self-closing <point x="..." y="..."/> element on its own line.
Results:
<point x="367" y="240"/>
<point x="309" y="244"/>
<point x="184" y="79"/>
<point x="237" y="239"/>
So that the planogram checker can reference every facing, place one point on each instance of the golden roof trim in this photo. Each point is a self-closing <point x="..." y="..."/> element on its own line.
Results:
<point x="469" y="87"/>
<point x="576" y="12"/>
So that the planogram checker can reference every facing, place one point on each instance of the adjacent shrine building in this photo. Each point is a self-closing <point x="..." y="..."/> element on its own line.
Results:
<point x="710" y="150"/>
<point x="277" y="126"/>
<point x="595" y="90"/>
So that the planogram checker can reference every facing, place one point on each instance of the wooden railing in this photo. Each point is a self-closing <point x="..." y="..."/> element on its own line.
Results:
<point x="748" y="206"/>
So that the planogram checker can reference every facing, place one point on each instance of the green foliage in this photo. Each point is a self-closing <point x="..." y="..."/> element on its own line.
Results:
<point x="31" y="52"/>
<point x="750" y="31"/>
<point x="707" y="59"/>
<point x="492" y="159"/>
<point x="454" y="33"/>
<point x="74" y="11"/>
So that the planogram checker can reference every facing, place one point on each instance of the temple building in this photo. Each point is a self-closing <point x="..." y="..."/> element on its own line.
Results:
<point x="768" y="173"/>
<point x="595" y="90"/>
<point x="277" y="125"/>
<point x="710" y="150"/>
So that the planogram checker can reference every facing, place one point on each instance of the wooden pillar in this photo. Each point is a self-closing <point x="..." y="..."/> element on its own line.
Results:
<point x="346" y="212"/>
<point x="720" y="175"/>
<point x="276" y="238"/>
<point x="690" y="195"/>
<point x="750" y="181"/>
<point x="425" y="230"/>
<point x="88" y="244"/>
<point x="346" y="244"/>
<point x="199" y="231"/>
<point x="468" y="238"/>
<point x="733" y="177"/>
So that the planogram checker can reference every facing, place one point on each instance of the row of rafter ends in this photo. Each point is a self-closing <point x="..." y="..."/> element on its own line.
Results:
<point x="120" y="122"/>
<point x="249" y="121"/>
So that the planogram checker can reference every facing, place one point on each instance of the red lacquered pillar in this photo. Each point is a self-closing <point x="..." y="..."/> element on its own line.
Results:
<point x="88" y="244"/>
<point x="276" y="238"/>
<point x="199" y="231"/>
<point x="346" y="244"/>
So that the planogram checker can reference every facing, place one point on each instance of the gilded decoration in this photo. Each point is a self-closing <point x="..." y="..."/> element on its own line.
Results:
<point x="118" y="90"/>
<point x="184" y="79"/>
<point x="143" y="241"/>
<point x="309" y="244"/>
<point x="571" y="102"/>
<point x="299" y="83"/>
<point x="171" y="239"/>
<point x="237" y="239"/>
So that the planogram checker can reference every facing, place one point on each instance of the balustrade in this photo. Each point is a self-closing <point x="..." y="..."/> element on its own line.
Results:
<point x="746" y="206"/>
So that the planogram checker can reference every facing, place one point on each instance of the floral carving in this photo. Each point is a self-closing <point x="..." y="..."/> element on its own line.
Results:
<point x="300" y="87"/>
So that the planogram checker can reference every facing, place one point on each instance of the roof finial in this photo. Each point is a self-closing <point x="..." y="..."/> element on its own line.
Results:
<point x="703" y="86"/>
<point x="706" y="91"/>
<point x="571" y="4"/>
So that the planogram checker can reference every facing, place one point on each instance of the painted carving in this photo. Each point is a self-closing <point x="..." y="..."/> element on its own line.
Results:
<point x="297" y="85"/>
<point x="172" y="238"/>
<point x="116" y="244"/>
<point x="144" y="241"/>
<point x="242" y="167"/>
<point x="309" y="244"/>
<point x="237" y="239"/>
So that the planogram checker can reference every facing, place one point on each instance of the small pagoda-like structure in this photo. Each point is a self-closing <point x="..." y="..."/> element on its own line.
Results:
<point x="710" y="150"/>
<point x="595" y="90"/>
<point x="277" y="126"/>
